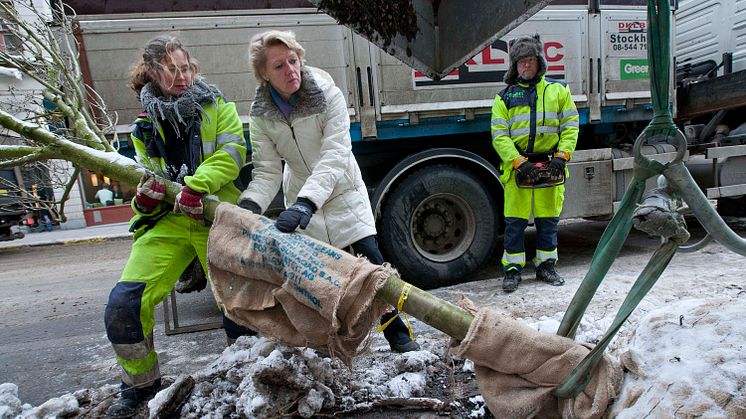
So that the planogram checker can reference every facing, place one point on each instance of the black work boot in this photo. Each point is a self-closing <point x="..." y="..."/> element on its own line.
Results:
<point x="192" y="279"/>
<point x="397" y="334"/>
<point x="131" y="400"/>
<point x="511" y="280"/>
<point x="545" y="272"/>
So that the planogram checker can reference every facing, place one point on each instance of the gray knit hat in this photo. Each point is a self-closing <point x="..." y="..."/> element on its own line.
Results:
<point x="525" y="46"/>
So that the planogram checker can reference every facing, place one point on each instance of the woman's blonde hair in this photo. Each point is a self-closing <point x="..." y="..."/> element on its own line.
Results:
<point x="155" y="51"/>
<point x="258" y="49"/>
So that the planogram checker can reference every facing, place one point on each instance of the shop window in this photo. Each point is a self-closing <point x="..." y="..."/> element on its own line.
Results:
<point x="102" y="191"/>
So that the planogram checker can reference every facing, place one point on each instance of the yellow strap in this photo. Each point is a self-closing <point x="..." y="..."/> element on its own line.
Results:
<point x="399" y="304"/>
<point x="403" y="296"/>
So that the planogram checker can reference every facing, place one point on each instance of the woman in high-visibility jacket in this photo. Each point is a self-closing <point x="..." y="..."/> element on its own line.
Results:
<point x="534" y="124"/>
<point x="187" y="133"/>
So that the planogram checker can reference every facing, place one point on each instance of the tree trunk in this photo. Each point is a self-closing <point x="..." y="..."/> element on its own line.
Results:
<point x="438" y="313"/>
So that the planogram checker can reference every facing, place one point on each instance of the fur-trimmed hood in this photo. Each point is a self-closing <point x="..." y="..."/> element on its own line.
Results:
<point x="314" y="143"/>
<point x="525" y="46"/>
<point x="311" y="97"/>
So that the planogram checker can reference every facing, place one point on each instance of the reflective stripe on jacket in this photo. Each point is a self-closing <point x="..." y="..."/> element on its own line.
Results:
<point x="533" y="119"/>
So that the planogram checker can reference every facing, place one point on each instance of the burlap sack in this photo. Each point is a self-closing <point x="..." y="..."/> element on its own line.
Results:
<point x="518" y="367"/>
<point x="290" y="287"/>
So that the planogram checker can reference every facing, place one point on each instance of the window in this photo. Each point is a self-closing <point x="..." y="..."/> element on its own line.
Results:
<point x="101" y="191"/>
<point x="8" y="41"/>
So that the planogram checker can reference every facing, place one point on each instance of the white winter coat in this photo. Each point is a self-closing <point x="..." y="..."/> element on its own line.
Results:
<point x="315" y="144"/>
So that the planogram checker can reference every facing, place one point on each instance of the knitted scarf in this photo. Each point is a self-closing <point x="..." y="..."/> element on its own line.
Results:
<point x="181" y="111"/>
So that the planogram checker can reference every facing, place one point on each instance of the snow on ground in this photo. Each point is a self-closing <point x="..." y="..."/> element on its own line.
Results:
<point x="687" y="359"/>
<point x="683" y="351"/>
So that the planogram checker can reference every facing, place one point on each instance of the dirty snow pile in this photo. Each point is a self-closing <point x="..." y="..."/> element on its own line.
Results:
<point x="259" y="378"/>
<point x="81" y="402"/>
<point x="687" y="359"/>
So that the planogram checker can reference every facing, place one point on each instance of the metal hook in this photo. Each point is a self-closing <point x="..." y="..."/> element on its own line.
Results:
<point x="681" y="181"/>
<point x="644" y="161"/>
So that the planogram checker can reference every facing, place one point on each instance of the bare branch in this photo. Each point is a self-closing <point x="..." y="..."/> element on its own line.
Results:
<point x="27" y="130"/>
<point x="21" y="155"/>
<point x="25" y="160"/>
<point x="80" y="126"/>
<point x="52" y="61"/>
<point x="15" y="151"/>
<point x="28" y="68"/>
<point x="74" y="130"/>
<point x="66" y="193"/>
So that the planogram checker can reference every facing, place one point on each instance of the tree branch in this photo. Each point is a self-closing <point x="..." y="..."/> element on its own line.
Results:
<point x="81" y="127"/>
<point x="27" y="130"/>
<point x="66" y="193"/>
<point x="16" y="151"/>
<point x="40" y="154"/>
<point x="45" y="61"/>
<point x="36" y="66"/>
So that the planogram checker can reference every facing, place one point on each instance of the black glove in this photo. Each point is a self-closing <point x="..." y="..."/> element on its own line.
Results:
<point x="250" y="205"/>
<point x="298" y="215"/>
<point x="528" y="170"/>
<point x="557" y="167"/>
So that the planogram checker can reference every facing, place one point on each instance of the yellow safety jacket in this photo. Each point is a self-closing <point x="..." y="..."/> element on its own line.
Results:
<point x="528" y="119"/>
<point x="219" y="149"/>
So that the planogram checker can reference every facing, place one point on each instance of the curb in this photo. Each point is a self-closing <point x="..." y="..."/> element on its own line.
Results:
<point x="63" y="242"/>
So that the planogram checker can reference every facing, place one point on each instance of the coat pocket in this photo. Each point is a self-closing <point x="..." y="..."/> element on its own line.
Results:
<point x="358" y="206"/>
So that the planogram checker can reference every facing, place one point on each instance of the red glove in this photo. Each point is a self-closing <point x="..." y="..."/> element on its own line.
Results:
<point x="149" y="193"/>
<point x="189" y="203"/>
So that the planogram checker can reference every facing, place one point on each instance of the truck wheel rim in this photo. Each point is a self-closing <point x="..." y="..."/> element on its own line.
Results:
<point x="442" y="227"/>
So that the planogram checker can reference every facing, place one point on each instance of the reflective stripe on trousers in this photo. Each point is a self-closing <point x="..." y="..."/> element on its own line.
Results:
<point x="514" y="255"/>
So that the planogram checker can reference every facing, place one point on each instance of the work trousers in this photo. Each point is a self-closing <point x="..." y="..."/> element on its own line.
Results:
<point x="157" y="259"/>
<point x="520" y="203"/>
<point x="514" y="255"/>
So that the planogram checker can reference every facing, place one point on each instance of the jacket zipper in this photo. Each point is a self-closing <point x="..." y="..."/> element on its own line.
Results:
<point x="532" y="119"/>
<point x="295" y="140"/>
<point x="320" y="209"/>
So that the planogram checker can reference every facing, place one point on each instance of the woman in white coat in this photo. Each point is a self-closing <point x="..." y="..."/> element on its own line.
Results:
<point x="299" y="116"/>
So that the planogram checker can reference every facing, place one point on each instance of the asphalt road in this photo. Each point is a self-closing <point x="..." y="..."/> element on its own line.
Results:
<point x="52" y="335"/>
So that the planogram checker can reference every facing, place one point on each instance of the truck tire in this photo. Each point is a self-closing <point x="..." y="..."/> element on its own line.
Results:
<point x="439" y="225"/>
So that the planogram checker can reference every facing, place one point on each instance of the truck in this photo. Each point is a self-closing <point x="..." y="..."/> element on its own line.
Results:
<point x="711" y="97"/>
<point x="424" y="145"/>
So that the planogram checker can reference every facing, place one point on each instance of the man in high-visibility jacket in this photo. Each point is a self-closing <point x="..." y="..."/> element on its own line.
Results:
<point x="534" y="123"/>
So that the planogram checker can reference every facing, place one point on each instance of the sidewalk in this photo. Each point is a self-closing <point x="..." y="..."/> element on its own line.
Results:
<point x="60" y="236"/>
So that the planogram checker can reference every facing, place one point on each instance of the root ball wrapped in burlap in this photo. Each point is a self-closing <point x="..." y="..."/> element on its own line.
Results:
<point x="290" y="287"/>
<point x="518" y="367"/>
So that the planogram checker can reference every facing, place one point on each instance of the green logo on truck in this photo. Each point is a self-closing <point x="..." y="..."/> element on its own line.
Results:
<point x="633" y="69"/>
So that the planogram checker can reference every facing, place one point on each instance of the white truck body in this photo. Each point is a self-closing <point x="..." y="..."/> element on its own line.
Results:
<point x="708" y="28"/>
